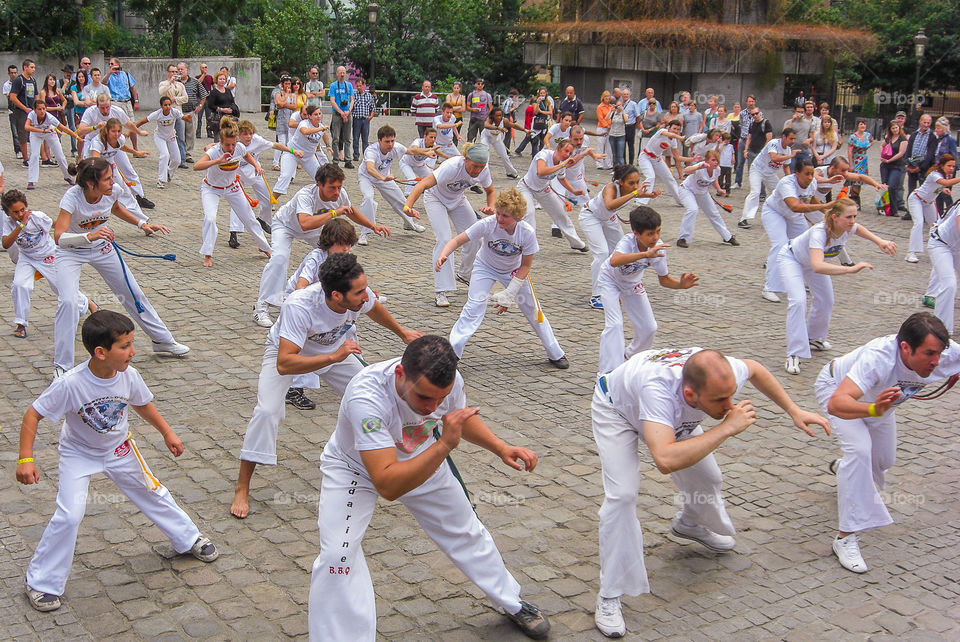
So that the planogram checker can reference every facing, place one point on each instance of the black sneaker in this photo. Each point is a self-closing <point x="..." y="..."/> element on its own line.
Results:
<point x="531" y="621"/>
<point x="298" y="400"/>
<point x="561" y="363"/>
<point x="682" y="243"/>
<point x="732" y="241"/>
<point x="48" y="163"/>
<point x="145" y="202"/>
<point x="266" y="226"/>
<point x="348" y="165"/>
<point x="907" y="217"/>
<point x="476" y="189"/>
<point x="556" y="233"/>
<point x="745" y="224"/>
<point x="234" y="242"/>
<point x="26" y="163"/>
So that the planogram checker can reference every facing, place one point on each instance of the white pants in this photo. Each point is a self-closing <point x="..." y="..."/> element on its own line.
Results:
<point x="602" y="237"/>
<point x="869" y="451"/>
<point x="22" y="286"/>
<point x="693" y="203"/>
<point x="946" y="263"/>
<point x="125" y="195"/>
<point x="475" y="308"/>
<point x="757" y="180"/>
<point x="780" y="231"/>
<point x="50" y="565"/>
<point x="233" y="193"/>
<point x="622" y="568"/>
<point x="274" y="275"/>
<point x="919" y="212"/>
<point x="637" y="306"/>
<point x="122" y="161"/>
<point x="440" y="216"/>
<point x="53" y="142"/>
<point x="496" y="144"/>
<point x="260" y="439"/>
<point x="310" y="163"/>
<point x="264" y="209"/>
<point x="389" y="191"/>
<point x="168" y="157"/>
<point x="449" y="149"/>
<point x="801" y="327"/>
<point x="653" y="169"/>
<point x="603" y="147"/>
<point x="282" y="135"/>
<point x="104" y="261"/>
<point x="412" y="172"/>
<point x="342" y="603"/>
<point x="553" y="206"/>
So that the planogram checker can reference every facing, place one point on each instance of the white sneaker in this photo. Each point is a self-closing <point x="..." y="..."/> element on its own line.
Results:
<point x="735" y="186"/>
<point x="413" y="225"/>
<point x="161" y="185"/>
<point x="260" y="315"/>
<point x="362" y="239"/>
<point x="713" y="541"/>
<point x="820" y="345"/>
<point x="442" y="300"/>
<point x="770" y="296"/>
<point x="912" y="258"/>
<point x="609" y="617"/>
<point x="174" y="348"/>
<point x="847" y="551"/>
<point x="793" y="365"/>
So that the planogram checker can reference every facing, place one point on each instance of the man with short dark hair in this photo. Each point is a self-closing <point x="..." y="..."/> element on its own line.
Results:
<point x="11" y="115"/>
<point x="399" y="421"/>
<point x="341" y="124"/>
<point x="206" y="80"/>
<point x="479" y="103"/>
<point x="364" y="109"/>
<point x="23" y="91"/>
<point x="196" y="97"/>
<point x="123" y="92"/>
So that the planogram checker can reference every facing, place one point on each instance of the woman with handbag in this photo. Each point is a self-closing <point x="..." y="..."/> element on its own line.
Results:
<point x="892" y="159"/>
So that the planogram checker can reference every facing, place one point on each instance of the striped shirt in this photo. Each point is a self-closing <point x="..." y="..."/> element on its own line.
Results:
<point x="363" y="105"/>
<point x="425" y="108"/>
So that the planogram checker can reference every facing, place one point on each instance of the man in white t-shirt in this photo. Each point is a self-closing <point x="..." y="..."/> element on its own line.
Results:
<point x="380" y="160"/>
<point x="660" y="397"/>
<point x="399" y="421"/>
<point x="315" y="332"/>
<point x="765" y="172"/>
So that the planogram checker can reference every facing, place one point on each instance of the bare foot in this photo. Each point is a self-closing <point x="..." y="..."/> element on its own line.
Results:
<point x="208" y="261"/>
<point x="91" y="306"/>
<point x="241" y="506"/>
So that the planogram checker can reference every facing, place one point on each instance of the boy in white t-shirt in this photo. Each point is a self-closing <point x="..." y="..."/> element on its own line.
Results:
<point x="376" y="171"/>
<point x="93" y="398"/>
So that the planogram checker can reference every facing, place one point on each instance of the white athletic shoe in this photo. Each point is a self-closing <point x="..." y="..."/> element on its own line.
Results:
<point x="362" y="239"/>
<point x="442" y="300"/>
<point x="912" y="258"/>
<point x="609" y="617"/>
<point x="820" y="345"/>
<point x="793" y="365"/>
<point x="414" y="226"/>
<point x="204" y="550"/>
<point x="713" y="541"/>
<point x="260" y="315"/>
<point x="847" y="550"/>
<point x="770" y="296"/>
<point x="174" y="348"/>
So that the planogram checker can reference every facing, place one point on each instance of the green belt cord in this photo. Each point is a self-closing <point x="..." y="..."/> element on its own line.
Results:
<point x="456" y="473"/>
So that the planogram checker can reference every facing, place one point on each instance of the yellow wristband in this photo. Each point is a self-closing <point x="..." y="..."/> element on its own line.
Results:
<point x="406" y="208"/>
<point x="25" y="460"/>
<point x="872" y="410"/>
<point x="333" y="213"/>
<point x="634" y="193"/>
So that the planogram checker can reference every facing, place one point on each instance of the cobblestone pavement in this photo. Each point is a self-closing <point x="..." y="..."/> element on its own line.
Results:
<point x="781" y="582"/>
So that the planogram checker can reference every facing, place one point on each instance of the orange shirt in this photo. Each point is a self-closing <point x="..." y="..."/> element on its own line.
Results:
<point x="603" y="114"/>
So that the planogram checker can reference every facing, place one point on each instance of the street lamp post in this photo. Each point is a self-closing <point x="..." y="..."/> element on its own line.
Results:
<point x="372" y="10"/>
<point x="920" y="42"/>
<point x="79" y="31"/>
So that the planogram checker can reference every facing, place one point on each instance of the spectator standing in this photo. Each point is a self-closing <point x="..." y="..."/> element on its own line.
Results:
<point x="341" y="125"/>
<point x="79" y="103"/>
<point x="649" y="121"/>
<point x="649" y="97"/>
<point x="363" y="112"/>
<point x="692" y="120"/>
<point x="892" y="156"/>
<point x="479" y="103"/>
<point x="221" y="102"/>
<point x="528" y="115"/>
<point x="631" y="113"/>
<point x="64" y="85"/>
<point x="746" y="121"/>
<point x="206" y="80"/>
<point x="123" y="92"/>
<point x="96" y="86"/>
<point x="11" y="116"/>
<point x="510" y="105"/>
<point x="196" y="103"/>
<point x="711" y="114"/>
<point x="572" y="104"/>
<point x="946" y="144"/>
<point x="425" y="106"/>
<point x="85" y="66"/>
<point x="314" y="88"/>
<point x="604" y="119"/>
<point x="231" y="80"/>
<point x="55" y="102"/>
<point x="23" y="93"/>
<point x="459" y="102"/>
<point x="921" y="153"/>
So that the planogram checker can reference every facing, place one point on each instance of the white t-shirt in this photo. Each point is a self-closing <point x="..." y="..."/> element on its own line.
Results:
<point x="930" y="188"/>
<point x="308" y="269"/>
<point x="658" y="144"/>
<point x="87" y="217"/>
<point x="165" y="122"/>
<point x="598" y="207"/>
<point x="877" y="366"/>
<point x="224" y="174"/>
<point x="91" y="91"/>
<point x="945" y="230"/>
<point x="788" y="187"/>
<point x="381" y="162"/>
<point x="49" y="124"/>
<point x="94" y="409"/>
<point x="34" y="239"/>
<point x="306" y="143"/>
<point x="542" y="183"/>
<point x="556" y="131"/>
<point x="629" y="277"/>
<point x="418" y="160"/>
<point x="726" y="155"/>
<point x="106" y="152"/>
<point x="444" y="136"/>
<point x="700" y="181"/>
<point x="500" y="250"/>
<point x="649" y="387"/>
<point x="816" y="238"/>
<point x="92" y="117"/>
<point x="763" y="164"/>
<point x="307" y="201"/>
<point x="308" y="322"/>
<point x="258" y="144"/>
<point x="373" y="416"/>
<point x="453" y="179"/>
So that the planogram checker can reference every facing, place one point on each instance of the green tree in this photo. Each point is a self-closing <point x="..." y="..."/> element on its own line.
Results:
<point x="172" y="20"/>
<point x="287" y="35"/>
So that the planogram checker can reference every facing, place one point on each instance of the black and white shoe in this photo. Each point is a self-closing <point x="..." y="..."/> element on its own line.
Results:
<point x="298" y="400"/>
<point x="145" y="202"/>
<point x="531" y="621"/>
<point x="266" y="226"/>
<point x="234" y="242"/>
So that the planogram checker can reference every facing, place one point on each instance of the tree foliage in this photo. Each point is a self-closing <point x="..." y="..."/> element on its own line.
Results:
<point x="287" y="35"/>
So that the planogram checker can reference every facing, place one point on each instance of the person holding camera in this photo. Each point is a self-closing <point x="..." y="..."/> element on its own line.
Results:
<point x="123" y="92"/>
<point x="341" y="121"/>
<point x="921" y="152"/>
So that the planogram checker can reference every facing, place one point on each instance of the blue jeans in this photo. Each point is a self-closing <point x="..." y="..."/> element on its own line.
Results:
<point x="617" y="146"/>
<point x="179" y="127"/>
<point x="740" y="161"/>
<point x="361" y="130"/>
<point x="892" y="175"/>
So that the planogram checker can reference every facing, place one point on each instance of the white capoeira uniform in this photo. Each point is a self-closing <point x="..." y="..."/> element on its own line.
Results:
<point x="623" y="285"/>
<point x="308" y="322"/>
<point x="248" y="178"/>
<point x="165" y="138"/>
<point x="922" y="204"/>
<point x="416" y="166"/>
<point x="648" y="387"/>
<point x="493" y="139"/>
<point x="796" y="271"/>
<point x="445" y="142"/>
<point x="825" y="193"/>
<point x="651" y="164"/>
<point x="602" y="231"/>
<point x="52" y="138"/>
<point x="36" y="253"/>
<point x="373" y="416"/>
<point x="870" y="443"/>
<point x="497" y="262"/>
<point x="695" y="196"/>
<point x="93" y="117"/>
<point x="124" y="192"/>
<point x="95" y="438"/>
<point x="763" y="172"/>
<point x="313" y="156"/>
<point x="389" y="190"/>
<point x="223" y="181"/>
<point x="574" y="176"/>
<point x="536" y="189"/>
<point x="782" y="224"/>
<point x="944" y="247"/>
<point x="446" y="202"/>
<point x="286" y="228"/>
<point x="86" y="218"/>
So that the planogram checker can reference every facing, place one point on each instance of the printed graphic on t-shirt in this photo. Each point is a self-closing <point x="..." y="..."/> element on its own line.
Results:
<point x="229" y="166"/>
<point x="414" y="434"/>
<point x="832" y="251"/>
<point x="371" y="424"/>
<point x="103" y="414"/>
<point x="630" y="268"/>
<point x="671" y="356"/>
<point x="458" y="186"/>
<point x="503" y="247"/>
<point x="330" y="337"/>
<point x="908" y="389"/>
<point x="27" y="240"/>
<point x="94" y="221"/>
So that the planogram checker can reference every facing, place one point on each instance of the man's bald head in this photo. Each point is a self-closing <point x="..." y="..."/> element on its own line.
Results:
<point x="706" y="367"/>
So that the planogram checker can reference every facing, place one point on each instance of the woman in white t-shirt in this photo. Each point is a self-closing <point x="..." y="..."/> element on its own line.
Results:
<point x="507" y="246"/>
<point x="801" y="264"/>
<point x="922" y="201"/>
<point x="535" y="188"/>
<point x="165" y="138"/>
<point x="695" y="196"/>
<point x="83" y="238"/>
<point x="421" y="158"/>
<point x="944" y="247"/>
<point x="44" y="128"/>
<point x="111" y="145"/>
<point x="307" y="139"/>
<point x="492" y="135"/>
